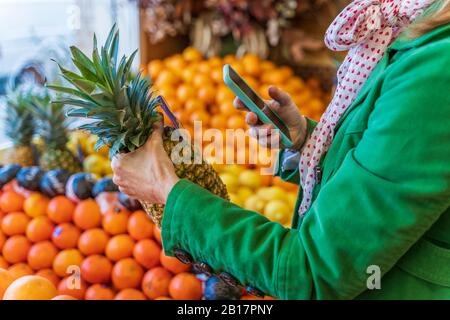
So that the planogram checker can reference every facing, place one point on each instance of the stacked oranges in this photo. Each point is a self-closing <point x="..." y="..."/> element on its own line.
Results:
<point x="86" y="252"/>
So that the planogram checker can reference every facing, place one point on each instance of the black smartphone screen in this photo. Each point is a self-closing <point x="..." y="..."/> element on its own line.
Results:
<point x="258" y="101"/>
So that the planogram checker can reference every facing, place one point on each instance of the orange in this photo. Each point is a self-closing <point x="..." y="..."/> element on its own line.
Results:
<point x="140" y="226"/>
<point x="191" y="54"/>
<point x="193" y="104"/>
<point x="215" y="61"/>
<point x="252" y="64"/>
<point x="76" y="289"/>
<point x="5" y="280"/>
<point x="87" y="215"/>
<point x="16" y="249"/>
<point x="93" y="241"/>
<point x="39" y="229"/>
<point x="224" y="94"/>
<point x="65" y="236"/>
<point x="155" y="67"/>
<point x="96" y="269"/>
<point x="35" y="205"/>
<point x="64" y="297"/>
<point x="217" y="75"/>
<point x="163" y="298"/>
<point x="3" y="263"/>
<point x="15" y="223"/>
<point x="60" y="209"/>
<point x="200" y="80"/>
<point x="49" y="274"/>
<point x="173" y="264"/>
<point x="288" y="73"/>
<point x="30" y="288"/>
<point x="275" y="77"/>
<point x="219" y="121"/>
<point x="19" y="270"/>
<point x="175" y="62"/>
<point x="185" y="92"/>
<point x="185" y="286"/>
<point x="202" y="116"/>
<point x="157" y="234"/>
<point x="227" y="109"/>
<point x="115" y="221"/>
<point x="188" y="74"/>
<point x="2" y="214"/>
<point x="127" y="273"/>
<point x="267" y="65"/>
<point x="11" y="201"/>
<point x="207" y="93"/>
<point x="263" y="91"/>
<point x="99" y="292"/>
<point x="130" y="294"/>
<point x="156" y="282"/>
<point x="167" y="78"/>
<point x="236" y="122"/>
<point x="183" y="117"/>
<point x="147" y="253"/>
<point x="119" y="247"/>
<point x="203" y="67"/>
<point x="41" y="255"/>
<point x="2" y="240"/>
<point x="229" y="58"/>
<point x="66" y="259"/>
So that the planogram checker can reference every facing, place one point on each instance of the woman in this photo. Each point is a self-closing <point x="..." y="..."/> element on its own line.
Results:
<point x="374" y="174"/>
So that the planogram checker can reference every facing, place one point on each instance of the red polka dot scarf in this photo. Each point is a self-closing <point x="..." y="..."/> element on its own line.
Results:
<point x="365" y="28"/>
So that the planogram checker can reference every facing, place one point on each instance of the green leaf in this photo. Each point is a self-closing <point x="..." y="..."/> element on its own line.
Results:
<point x="114" y="50"/>
<point x="135" y="140"/>
<point x="83" y="63"/>
<point x="70" y="91"/>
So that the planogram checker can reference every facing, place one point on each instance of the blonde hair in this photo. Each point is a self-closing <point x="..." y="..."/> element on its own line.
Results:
<point x="432" y="21"/>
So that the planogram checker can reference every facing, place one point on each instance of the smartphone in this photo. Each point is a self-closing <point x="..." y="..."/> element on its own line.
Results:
<point x="254" y="102"/>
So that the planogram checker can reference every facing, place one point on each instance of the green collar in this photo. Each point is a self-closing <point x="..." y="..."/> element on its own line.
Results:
<point x="404" y="43"/>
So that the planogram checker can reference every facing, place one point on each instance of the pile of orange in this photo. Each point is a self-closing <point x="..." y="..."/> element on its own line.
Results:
<point x="81" y="252"/>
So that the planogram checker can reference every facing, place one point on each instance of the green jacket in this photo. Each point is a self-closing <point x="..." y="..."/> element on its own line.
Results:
<point x="384" y="198"/>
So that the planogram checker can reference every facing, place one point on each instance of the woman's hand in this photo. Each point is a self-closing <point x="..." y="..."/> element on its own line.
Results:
<point x="286" y="109"/>
<point x="146" y="174"/>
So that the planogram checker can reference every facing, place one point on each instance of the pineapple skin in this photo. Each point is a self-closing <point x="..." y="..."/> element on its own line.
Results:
<point x="59" y="159"/>
<point x="202" y="174"/>
<point x="21" y="155"/>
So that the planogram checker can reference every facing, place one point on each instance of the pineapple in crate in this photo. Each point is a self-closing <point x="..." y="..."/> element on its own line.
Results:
<point x="51" y="127"/>
<point x="19" y="128"/>
<point x="123" y="106"/>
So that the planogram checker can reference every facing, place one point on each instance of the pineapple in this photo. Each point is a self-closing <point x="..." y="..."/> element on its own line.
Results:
<point x="19" y="129"/>
<point x="51" y="127"/>
<point x="123" y="107"/>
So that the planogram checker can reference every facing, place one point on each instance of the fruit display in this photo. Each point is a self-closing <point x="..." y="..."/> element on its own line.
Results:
<point x="47" y="242"/>
<point x="18" y="125"/>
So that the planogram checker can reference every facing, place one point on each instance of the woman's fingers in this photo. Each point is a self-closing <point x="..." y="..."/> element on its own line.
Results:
<point x="238" y="104"/>
<point x="280" y="96"/>
<point x="251" y="119"/>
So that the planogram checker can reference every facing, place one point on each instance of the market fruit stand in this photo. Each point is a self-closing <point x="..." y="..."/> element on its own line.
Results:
<point x="65" y="221"/>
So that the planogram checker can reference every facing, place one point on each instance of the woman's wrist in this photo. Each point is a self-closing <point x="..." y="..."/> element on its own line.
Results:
<point x="167" y="186"/>
<point x="301" y="135"/>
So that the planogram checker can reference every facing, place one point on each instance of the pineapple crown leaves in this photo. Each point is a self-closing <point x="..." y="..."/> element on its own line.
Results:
<point x="122" y="105"/>
<point x="18" y="122"/>
<point x="50" y="121"/>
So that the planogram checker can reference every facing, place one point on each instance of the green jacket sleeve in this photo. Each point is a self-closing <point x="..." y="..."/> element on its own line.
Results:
<point x="291" y="175"/>
<point x="387" y="192"/>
